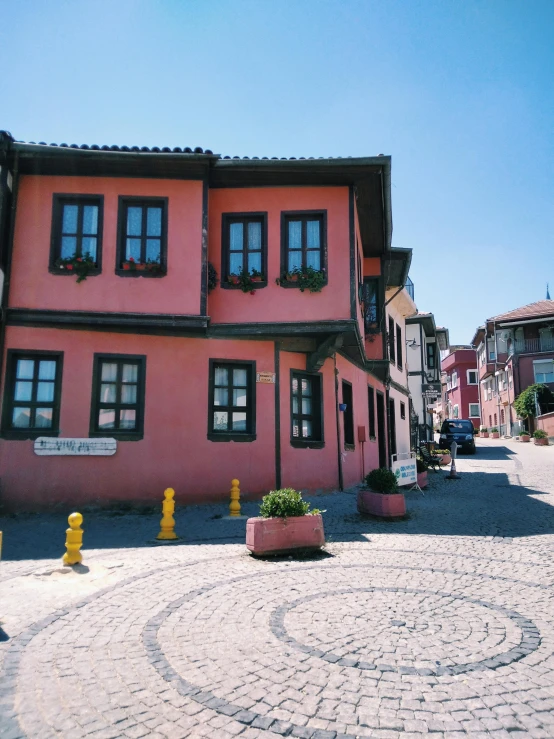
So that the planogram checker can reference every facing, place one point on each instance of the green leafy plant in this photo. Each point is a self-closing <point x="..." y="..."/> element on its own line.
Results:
<point x="246" y="280"/>
<point x="81" y="266"/>
<point x="525" y="405"/>
<point x="382" y="480"/>
<point x="483" y="429"/>
<point x="540" y="434"/>
<point x="421" y="465"/>
<point x="307" y="278"/>
<point x="285" y="503"/>
<point x="442" y="451"/>
<point x="212" y="277"/>
<point x="525" y="433"/>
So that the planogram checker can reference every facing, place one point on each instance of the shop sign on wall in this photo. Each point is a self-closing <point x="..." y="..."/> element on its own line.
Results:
<point x="267" y="377"/>
<point x="50" y="446"/>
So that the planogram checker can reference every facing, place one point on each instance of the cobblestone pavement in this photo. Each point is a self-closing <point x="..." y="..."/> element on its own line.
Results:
<point x="442" y="624"/>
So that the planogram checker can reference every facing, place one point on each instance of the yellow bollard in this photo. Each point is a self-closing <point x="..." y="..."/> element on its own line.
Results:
<point x="234" y="505"/>
<point x="73" y="540"/>
<point x="167" y="524"/>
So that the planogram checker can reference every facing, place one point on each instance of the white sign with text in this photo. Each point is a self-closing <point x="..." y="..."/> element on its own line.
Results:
<point x="405" y="469"/>
<point x="50" y="446"/>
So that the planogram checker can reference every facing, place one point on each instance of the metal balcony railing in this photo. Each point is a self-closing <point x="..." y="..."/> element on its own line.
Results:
<point x="532" y="346"/>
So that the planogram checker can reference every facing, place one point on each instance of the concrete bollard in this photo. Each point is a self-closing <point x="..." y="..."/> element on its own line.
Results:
<point x="167" y="524"/>
<point x="234" y="505"/>
<point x="73" y="540"/>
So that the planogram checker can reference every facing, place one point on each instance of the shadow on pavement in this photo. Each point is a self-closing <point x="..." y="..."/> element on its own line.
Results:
<point x="482" y="503"/>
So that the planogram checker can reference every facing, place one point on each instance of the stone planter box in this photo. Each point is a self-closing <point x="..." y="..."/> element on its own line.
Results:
<point x="283" y="535"/>
<point x="525" y="439"/>
<point x="422" y="480"/>
<point x="541" y="442"/>
<point x="379" y="504"/>
<point x="495" y="435"/>
<point x="484" y="434"/>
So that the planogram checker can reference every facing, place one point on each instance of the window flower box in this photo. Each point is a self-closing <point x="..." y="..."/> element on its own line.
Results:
<point x="82" y="266"/>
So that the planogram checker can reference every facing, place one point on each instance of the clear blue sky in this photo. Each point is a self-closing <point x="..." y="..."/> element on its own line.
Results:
<point x="459" y="93"/>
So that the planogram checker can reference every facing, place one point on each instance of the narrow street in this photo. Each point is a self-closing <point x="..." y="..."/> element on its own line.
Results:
<point x="442" y="624"/>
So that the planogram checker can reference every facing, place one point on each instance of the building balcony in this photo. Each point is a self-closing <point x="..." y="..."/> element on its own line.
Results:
<point x="533" y="346"/>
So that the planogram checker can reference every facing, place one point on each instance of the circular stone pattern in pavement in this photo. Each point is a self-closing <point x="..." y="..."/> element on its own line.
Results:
<point x="357" y="646"/>
<point x="415" y="632"/>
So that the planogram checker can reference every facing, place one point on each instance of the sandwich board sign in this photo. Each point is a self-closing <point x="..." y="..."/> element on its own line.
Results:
<point x="405" y="469"/>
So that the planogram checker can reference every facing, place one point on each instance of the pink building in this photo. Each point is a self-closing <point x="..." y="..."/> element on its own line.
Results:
<point x="514" y="350"/>
<point x="149" y="373"/>
<point x="462" y="384"/>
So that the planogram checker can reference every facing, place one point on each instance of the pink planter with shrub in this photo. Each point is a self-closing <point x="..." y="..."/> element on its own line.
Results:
<point x="282" y="535"/>
<point x="422" y="479"/>
<point x="381" y="504"/>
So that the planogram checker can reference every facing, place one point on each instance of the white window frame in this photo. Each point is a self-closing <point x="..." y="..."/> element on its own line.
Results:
<point x="474" y="415"/>
<point x="476" y="377"/>
<point x="543" y="361"/>
<point x="456" y="411"/>
<point x="455" y="379"/>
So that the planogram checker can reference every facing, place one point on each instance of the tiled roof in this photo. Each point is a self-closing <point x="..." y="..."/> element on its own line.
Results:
<point x="166" y="150"/>
<point x="105" y="147"/>
<point x="533" y="310"/>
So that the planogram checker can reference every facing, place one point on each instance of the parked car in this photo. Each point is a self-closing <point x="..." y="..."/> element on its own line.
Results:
<point x="460" y="431"/>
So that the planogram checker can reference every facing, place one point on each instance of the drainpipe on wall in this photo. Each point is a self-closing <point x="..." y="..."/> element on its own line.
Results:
<point x="7" y="276"/>
<point x="341" y="481"/>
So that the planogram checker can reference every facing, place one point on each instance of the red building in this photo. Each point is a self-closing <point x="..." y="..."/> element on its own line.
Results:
<point x="462" y="384"/>
<point x="149" y="373"/>
<point x="514" y="350"/>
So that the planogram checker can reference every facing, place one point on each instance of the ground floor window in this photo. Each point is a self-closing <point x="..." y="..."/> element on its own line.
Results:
<point x="403" y="411"/>
<point x="371" y="409"/>
<point x="118" y="396"/>
<point x="231" y="401"/>
<point x="306" y="409"/>
<point x="348" y="415"/>
<point x="32" y="394"/>
<point x="474" y="410"/>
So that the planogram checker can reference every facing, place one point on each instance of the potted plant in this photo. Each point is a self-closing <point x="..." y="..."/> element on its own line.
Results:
<point x="484" y="432"/>
<point x="132" y="264"/>
<point x="80" y="265"/>
<point x="286" y="524"/>
<point x="494" y="433"/>
<point x="525" y="436"/>
<point x="445" y="456"/>
<point x="246" y="280"/>
<point x="422" y="468"/>
<point x="307" y="278"/>
<point x="153" y="265"/>
<point x="540" y="438"/>
<point x="383" y="497"/>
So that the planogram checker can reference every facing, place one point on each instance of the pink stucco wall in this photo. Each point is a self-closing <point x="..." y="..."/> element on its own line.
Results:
<point x="32" y="286"/>
<point x="175" y="450"/>
<point x="275" y="303"/>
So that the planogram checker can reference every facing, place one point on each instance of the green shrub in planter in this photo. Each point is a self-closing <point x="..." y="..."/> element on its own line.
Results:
<point x="483" y="429"/>
<point x="421" y="466"/>
<point x="494" y="430"/>
<point x="382" y="481"/>
<point x="525" y="433"/>
<point x="540" y="434"/>
<point x="285" y="503"/>
<point x="442" y="451"/>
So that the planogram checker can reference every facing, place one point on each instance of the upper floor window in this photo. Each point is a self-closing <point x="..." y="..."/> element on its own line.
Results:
<point x="372" y="314"/>
<point x="306" y="412"/>
<point x="142" y="243"/>
<point x="454" y="379"/>
<point x="118" y="396"/>
<point x="303" y="243"/>
<point x="32" y="394"/>
<point x="474" y="411"/>
<point x="491" y="351"/>
<point x="544" y="371"/>
<point x="472" y="377"/>
<point x="76" y="233"/>
<point x="398" y="347"/>
<point x="232" y="401"/>
<point x="244" y="247"/>
<point x="392" y="354"/>
<point x="431" y="357"/>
